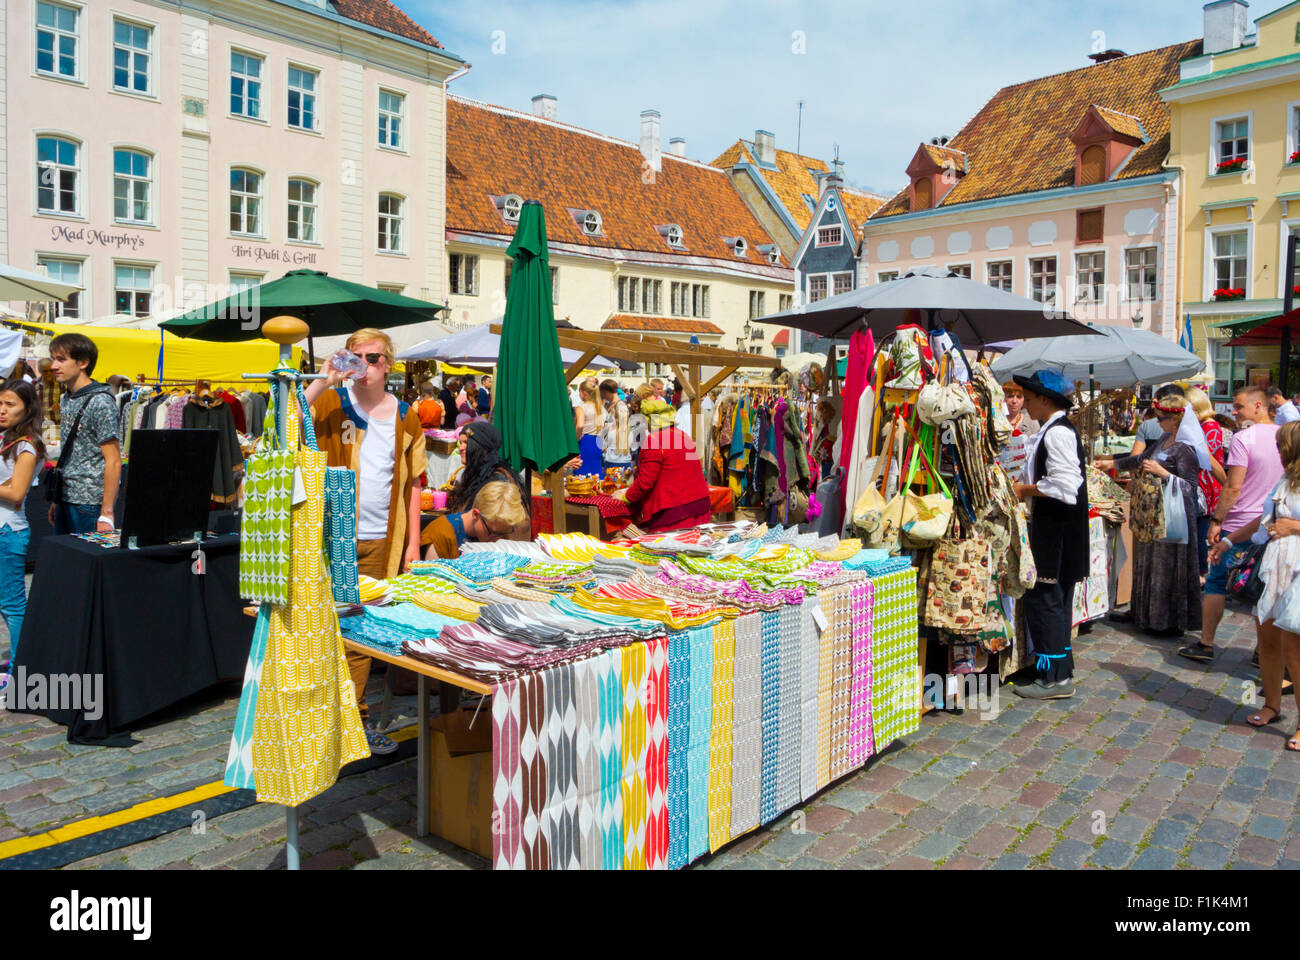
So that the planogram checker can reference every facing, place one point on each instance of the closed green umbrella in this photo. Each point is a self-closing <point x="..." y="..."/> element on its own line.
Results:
<point x="532" y="408"/>
<point x="330" y="306"/>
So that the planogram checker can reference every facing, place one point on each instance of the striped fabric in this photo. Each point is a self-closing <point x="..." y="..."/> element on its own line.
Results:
<point x="586" y="746"/>
<point x="825" y="691"/>
<point x="507" y="779"/>
<point x="896" y="703"/>
<point x="656" y="764"/>
<point x="747" y="726"/>
<point x="809" y="655"/>
<point x="679" y="733"/>
<point x="840" y="600"/>
<point x="609" y="685"/>
<point x="533" y="740"/>
<point x="788" y="721"/>
<point x="634" y="678"/>
<point x="861" y="745"/>
<point x="770" y="655"/>
<point x="559" y="823"/>
<point x="700" y="739"/>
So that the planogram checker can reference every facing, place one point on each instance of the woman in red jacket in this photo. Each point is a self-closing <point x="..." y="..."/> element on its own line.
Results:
<point x="668" y="491"/>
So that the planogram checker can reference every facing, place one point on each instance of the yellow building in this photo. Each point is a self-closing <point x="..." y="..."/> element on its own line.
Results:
<point x="1236" y="137"/>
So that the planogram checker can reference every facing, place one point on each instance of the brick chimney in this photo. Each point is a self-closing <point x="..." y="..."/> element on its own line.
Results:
<point x="1225" y="25"/>
<point x="545" y="105"/>
<point x="677" y="146"/>
<point x="1106" y="55"/>
<point x="650" y="148"/>
<point x="765" y="147"/>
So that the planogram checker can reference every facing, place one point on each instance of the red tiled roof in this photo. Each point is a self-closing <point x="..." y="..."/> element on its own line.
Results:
<point x="385" y="16"/>
<point x="492" y="151"/>
<point x="781" y="338"/>
<point x="1020" y="141"/>
<point x="628" y="321"/>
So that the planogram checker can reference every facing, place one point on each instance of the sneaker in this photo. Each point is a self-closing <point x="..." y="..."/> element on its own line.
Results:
<point x="380" y="745"/>
<point x="1197" y="651"/>
<point x="1038" y="690"/>
<point x="4" y="688"/>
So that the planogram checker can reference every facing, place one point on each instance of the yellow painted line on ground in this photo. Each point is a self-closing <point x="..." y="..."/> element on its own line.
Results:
<point x="141" y="811"/>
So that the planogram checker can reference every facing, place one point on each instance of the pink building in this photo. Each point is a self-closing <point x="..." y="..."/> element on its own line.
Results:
<point x="1055" y="190"/>
<point x="160" y="154"/>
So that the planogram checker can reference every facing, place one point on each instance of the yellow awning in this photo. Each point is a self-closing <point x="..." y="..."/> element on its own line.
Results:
<point x="135" y="352"/>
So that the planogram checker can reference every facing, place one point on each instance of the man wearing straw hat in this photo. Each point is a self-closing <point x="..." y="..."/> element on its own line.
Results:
<point x="1053" y="486"/>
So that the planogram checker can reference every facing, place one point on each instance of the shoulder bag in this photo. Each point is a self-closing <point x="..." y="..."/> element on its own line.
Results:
<point x="53" y="478"/>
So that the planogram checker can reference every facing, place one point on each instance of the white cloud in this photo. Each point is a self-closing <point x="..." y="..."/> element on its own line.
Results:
<point x="877" y="78"/>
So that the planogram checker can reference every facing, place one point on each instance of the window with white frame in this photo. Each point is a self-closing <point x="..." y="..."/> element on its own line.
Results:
<point x="1140" y="273"/>
<point x="242" y="282"/>
<point x="245" y="85"/>
<point x="830" y="236"/>
<point x="1231" y="253"/>
<point x="58" y="175"/>
<point x="785" y="301"/>
<point x="131" y="52"/>
<point x="246" y="202"/>
<point x="816" y="288"/>
<point x="1000" y="274"/>
<point x="961" y="269"/>
<point x="886" y="275"/>
<point x="132" y="289"/>
<point x="756" y="301"/>
<point x="1293" y="134"/>
<point x="65" y="271"/>
<point x="396" y="288"/>
<point x="1292" y="231"/>
<point x="690" y="299"/>
<point x="131" y="186"/>
<point x="1233" y="140"/>
<point x="390" y="119"/>
<point x="591" y="223"/>
<point x="1042" y="279"/>
<point x="640" y="295"/>
<point x="391" y="235"/>
<point x="841" y="283"/>
<point x="463" y="272"/>
<point x="1090" y="277"/>
<point x="302" y="98"/>
<point x="302" y="210"/>
<point x="58" y="40"/>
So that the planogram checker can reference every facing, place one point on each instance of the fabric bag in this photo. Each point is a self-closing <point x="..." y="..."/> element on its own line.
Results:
<point x="878" y="520"/>
<point x="1243" y="582"/>
<point x="925" y="516"/>
<point x="939" y="402"/>
<point x="1146" y="507"/>
<point x="959" y="587"/>
<point x="831" y="521"/>
<point x="264" y="528"/>
<point x="340" y="517"/>
<point x="1175" y="515"/>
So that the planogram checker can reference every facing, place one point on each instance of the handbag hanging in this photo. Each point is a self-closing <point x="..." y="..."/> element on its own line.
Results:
<point x="340" y="518"/>
<point x="265" y="548"/>
<point x="925" y="516"/>
<point x="1243" y="582"/>
<point x="960" y="585"/>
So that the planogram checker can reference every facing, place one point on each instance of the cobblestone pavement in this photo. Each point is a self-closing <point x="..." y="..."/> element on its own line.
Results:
<point x="1149" y="765"/>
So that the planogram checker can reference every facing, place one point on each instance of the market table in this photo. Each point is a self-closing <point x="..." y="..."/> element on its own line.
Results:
<point x="424" y="673"/>
<point x="154" y="630"/>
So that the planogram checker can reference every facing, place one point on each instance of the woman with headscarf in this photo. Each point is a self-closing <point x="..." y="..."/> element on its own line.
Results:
<point x="668" y="492"/>
<point x="482" y="465"/>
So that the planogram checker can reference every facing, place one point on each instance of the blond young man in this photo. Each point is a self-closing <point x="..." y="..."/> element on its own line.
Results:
<point x="361" y="426"/>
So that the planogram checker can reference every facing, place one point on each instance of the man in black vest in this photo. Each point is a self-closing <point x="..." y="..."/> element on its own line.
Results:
<point x="1052" y="484"/>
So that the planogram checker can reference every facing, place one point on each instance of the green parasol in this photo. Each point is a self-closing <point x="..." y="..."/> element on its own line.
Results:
<point x="330" y="306"/>
<point x="532" y="408"/>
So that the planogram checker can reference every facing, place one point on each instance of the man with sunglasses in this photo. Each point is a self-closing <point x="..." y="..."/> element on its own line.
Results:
<point x="361" y="426"/>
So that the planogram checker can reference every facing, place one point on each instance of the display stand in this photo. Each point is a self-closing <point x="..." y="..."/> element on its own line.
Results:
<point x="286" y="331"/>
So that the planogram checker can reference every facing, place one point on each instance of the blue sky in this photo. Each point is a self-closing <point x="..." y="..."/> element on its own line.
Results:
<point x="877" y="78"/>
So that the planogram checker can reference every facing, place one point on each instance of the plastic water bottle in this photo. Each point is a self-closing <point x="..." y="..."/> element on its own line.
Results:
<point x="347" y="362"/>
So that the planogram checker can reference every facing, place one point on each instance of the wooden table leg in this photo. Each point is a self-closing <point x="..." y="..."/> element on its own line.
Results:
<point x="423" y="763"/>
<point x="594" y="523"/>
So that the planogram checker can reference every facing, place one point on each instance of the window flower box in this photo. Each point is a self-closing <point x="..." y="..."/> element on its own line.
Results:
<point x="1229" y="293"/>
<point x="1231" y="166"/>
<point x="1295" y="157"/>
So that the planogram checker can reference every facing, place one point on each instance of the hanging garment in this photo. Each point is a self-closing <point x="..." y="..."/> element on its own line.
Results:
<point x="211" y="413"/>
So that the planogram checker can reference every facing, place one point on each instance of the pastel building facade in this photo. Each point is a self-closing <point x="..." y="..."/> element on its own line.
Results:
<point x="162" y="154"/>
<point x="1056" y="190"/>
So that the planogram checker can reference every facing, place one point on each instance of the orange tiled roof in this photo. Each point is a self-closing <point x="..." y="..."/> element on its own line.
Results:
<point x="1020" y="141"/>
<point x="385" y="16"/>
<point x="790" y="181"/>
<point x="628" y="321"/>
<point x="493" y="151"/>
<point x="942" y="155"/>
<point x="859" y="206"/>
<point x="1124" y="123"/>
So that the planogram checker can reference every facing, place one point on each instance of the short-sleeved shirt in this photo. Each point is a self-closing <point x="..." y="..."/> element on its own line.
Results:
<point x="1149" y="431"/>
<point x="12" y="515"/>
<point x="83" y="470"/>
<point x="1254" y="448"/>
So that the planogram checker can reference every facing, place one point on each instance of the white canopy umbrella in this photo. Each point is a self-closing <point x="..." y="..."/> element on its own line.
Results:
<point x="1120" y="358"/>
<point x="478" y="346"/>
<point x="18" y="284"/>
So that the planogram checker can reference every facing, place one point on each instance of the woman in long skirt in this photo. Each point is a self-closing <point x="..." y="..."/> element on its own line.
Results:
<point x="1166" y="576"/>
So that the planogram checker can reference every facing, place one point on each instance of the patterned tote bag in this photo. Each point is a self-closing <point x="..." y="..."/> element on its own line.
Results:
<point x="264" y="534"/>
<point x="340" y="519"/>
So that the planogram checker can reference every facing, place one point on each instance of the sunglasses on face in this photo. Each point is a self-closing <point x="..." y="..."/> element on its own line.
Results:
<point x="372" y="358"/>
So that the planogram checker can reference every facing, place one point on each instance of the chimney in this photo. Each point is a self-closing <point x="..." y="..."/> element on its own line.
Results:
<point x="833" y="178"/>
<point x="1106" y="55"/>
<point x="765" y="147"/>
<point x="677" y="146"/>
<point x="1225" y="25"/>
<point x="650" y="148"/>
<point x="545" y="106"/>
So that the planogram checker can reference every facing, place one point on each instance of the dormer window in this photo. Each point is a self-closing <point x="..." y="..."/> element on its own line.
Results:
<point x="591" y="223"/>
<point x="511" y="207"/>
<point x="739" y="247"/>
<point x="1103" y="140"/>
<point x="934" y="170"/>
<point x="774" y="256"/>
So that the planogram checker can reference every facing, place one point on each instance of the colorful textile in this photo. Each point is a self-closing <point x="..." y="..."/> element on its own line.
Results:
<point x="534" y="735"/>
<point x="407" y="585"/>
<point x="451" y="605"/>
<point x="839" y="600"/>
<point x="699" y="743"/>
<point x="341" y="532"/>
<point x="809" y="683"/>
<point x="590" y="839"/>
<point x="789" y="716"/>
<point x="627" y="600"/>
<point x="478" y="568"/>
<point x="265" y="536"/>
<point x="738" y="593"/>
<point x="656" y="764"/>
<point x="635" y="679"/>
<point x="747" y="726"/>
<point x="239" y="762"/>
<point x="770" y="653"/>
<point x="861" y="744"/>
<point x="724" y="667"/>
<point x="679" y="732"/>
<point x="896" y="701"/>
<point x="507" y="778"/>
<point x="559" y="821"/>
<point x="609" y="684"/>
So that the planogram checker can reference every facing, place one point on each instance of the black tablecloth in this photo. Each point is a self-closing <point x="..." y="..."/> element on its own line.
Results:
<point x="157" y="632"/>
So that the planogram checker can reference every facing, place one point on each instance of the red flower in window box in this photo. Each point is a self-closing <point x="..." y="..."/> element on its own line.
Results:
<point x="1295" y="157"/>
<point x="1231" y="166"/>
<point x="1230" y="293"/>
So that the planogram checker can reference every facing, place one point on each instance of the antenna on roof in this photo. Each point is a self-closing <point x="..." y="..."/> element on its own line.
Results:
<point x="798" y="140"/>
